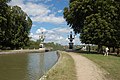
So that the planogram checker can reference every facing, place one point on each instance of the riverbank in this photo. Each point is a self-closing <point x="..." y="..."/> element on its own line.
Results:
<point x="23" y="51"/>
<point x="64" y="69"/>
<point x="73" y="66"/>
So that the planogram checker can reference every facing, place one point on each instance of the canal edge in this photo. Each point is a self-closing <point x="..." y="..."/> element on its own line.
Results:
<point x="23" y="51"/>
<point x="57" y="62"/>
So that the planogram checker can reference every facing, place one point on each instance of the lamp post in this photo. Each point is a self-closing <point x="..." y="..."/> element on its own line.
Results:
<point x="41" y="38"/>
<point x="71" y="38"/>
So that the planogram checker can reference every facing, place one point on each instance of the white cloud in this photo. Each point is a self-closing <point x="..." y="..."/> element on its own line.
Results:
<point x="35" y="10"/>
<point x="34" y="36"/>
<point x="62" y="30"/>
<point x="38" y="12"/>
<point x="77" y="40"/>
<point x="55" y="38"/>
<point x="57" y="35"/>
<point x="33" y="25"/>
<point x="41" y="30"/>
<point x="31" y="9"/>
<point x="59" y="11"/>
<point x="45" y="1"/>
<point x="50" y="18"/>
<point x="16" y="2"/>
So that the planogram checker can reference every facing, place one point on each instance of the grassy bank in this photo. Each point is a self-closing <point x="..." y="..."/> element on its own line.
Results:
<point x="109" y="63"/>
<point x="64" y="69"/>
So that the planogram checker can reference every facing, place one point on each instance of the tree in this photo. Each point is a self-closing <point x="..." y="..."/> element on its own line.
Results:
<point x="21" y="26"/>
<point x="97" y="31"/>
<point x="76" y="13"/>
<point x="95" y="21"/>
<point x="15" y="26"/>
<point x="3" y="21"/>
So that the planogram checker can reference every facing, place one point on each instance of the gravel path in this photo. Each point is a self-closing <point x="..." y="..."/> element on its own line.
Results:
<point x="86" y="69"/>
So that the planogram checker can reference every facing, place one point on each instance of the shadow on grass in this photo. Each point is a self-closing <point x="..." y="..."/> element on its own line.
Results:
<point x="86" y="52"/>
<point x="94" y="52"/>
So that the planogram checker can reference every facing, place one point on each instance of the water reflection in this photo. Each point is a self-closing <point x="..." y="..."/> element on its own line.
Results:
<point x="25" y="66"/>
<point x="34" y="66"/>
<point x="50" y="59"/>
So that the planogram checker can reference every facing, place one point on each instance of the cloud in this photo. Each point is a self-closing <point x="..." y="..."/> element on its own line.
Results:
<point x="33" y="9"/>
<point x="57" y="35"/>
<point x="52" y="35"/>
<point x="38" y="12"/>
<point x="16" y="2"/>
<point x="33" y="25"/>
<point x="43" y="1"/>
<point x="46" y="1"/>
<point x="62" y="30"/>
<point x="34" y="37"/>
<point x="50" y="18"/>
<point x="39" y="31"/>
<point x="59" y="11"/>
<point x="77" y="40"/>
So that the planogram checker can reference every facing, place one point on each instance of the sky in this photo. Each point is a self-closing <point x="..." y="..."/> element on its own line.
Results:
<point x="47" y="17"/>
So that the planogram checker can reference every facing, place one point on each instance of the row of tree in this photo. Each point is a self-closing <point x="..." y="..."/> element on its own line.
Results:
<point x="50" y="45"/>
<point x="15" y="26"/>
<point x="97" y="21"/>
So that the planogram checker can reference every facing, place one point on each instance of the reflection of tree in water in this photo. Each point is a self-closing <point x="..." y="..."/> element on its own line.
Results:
<point x="42" y="63"/>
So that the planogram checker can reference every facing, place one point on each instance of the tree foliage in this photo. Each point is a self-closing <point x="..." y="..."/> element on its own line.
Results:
<point x="97" y="21"/>
<point x="15" y="26"/>
<point x="50" y="45"/>
<point x="76" y="13"/>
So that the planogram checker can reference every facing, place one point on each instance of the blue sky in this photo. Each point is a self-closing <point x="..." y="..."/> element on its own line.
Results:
<point x="47" y="17"/>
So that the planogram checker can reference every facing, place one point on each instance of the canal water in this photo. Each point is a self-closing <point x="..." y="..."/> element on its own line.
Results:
<point x="26" y="66"/>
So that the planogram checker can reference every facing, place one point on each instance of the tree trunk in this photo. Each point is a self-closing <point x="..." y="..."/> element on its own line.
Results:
<point x="118" y="51"/>
<point x="99" y="48"/>
<point x="113" y="50"/>
<point x="89" y="48"/>
<point x="109" y="50"/>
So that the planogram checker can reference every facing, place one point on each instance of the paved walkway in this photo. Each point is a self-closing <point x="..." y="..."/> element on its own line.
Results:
<point x="86" y="69"/>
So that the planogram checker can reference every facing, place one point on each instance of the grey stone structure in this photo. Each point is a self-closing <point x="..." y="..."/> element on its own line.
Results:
<point x="71" y="39"/>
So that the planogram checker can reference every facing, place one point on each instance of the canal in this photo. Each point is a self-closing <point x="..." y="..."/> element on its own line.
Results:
<point x="26" y="66"/>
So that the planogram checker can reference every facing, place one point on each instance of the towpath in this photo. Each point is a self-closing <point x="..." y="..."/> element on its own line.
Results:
<point x="86" y="69"/>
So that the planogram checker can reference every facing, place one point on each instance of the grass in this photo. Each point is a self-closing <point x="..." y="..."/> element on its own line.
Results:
<point x="64" y="69"/>
<point x="110" y="63"/>
<point x="5" y="50"/>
